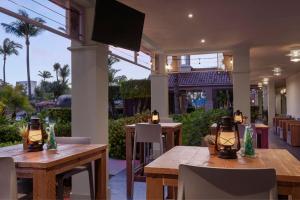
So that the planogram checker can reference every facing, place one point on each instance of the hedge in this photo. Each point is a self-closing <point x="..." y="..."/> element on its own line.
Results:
<point x="117" y="147"/>
<point x="9" y="133"/>
<point x="195" y="127"/>
<point x="135" y="89"/>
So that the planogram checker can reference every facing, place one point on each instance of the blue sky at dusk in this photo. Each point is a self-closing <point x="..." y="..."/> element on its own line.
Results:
<point x="47" y="48"/>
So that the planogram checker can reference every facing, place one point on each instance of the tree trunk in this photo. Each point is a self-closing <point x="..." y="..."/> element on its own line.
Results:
<point x="176" y="95"/>
<point x="4" y="62"/>
<point x="57" y="75"/>
<point x="28" y="67"/>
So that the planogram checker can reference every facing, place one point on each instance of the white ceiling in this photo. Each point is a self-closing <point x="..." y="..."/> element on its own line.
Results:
<point x="268" y="27"/>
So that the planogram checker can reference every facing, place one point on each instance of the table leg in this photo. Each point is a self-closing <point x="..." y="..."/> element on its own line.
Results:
<point x="155" y="189"/>
<point x="129" y="162"/>
<point x="180" y="136"/>
<point x="101" y="177"/>
<point x="44" y="185"/>
<point x="170" y="139"/>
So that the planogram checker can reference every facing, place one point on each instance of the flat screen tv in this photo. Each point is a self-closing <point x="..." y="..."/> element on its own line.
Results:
<point x="118" y="24"/>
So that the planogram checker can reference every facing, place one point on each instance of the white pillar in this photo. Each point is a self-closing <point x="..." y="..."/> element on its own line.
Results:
<point x="159" y="87"/>
<point x="271" y="102"/>
<point x="241" y="81"/>
<point x="89" y="96"/>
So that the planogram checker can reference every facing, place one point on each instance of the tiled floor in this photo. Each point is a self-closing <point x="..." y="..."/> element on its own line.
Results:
<point x="118" y="182"/>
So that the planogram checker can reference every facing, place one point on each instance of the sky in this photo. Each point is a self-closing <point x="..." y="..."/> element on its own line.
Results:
<point x="47" y="48"/>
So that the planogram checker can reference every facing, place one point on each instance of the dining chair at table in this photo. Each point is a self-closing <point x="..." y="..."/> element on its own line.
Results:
<point x="8" y="179"/>
<point x="220" y="183"/>
<point x="147" y="134"/>
<point x="88" y="167"/>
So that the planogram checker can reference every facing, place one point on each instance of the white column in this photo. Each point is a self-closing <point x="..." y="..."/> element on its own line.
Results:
<point x="241" y="81"/>
<point x="159" y="87"/>
<point x="271" y="102"/>
<point x="89" y="96"/>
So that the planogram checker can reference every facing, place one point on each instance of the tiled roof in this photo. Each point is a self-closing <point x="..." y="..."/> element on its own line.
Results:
<point x="202" y="78"/>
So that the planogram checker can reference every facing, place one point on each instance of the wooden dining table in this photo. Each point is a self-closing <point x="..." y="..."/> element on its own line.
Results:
<point x="173" y="133"/>
<point x="164" y="170"/>
<point x="43" y="166"/>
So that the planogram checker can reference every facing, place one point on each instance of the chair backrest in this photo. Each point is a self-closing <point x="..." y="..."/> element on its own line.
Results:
<point x="8" y="179"/>
<point x="73" y="140"/>
<point x="149" y="133"/>
<point x="219" y="183"/>
<point x="166" y="120"/>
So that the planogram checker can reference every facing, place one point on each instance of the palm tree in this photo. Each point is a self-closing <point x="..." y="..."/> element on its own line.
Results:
<point x="56" y="68"/>
<point x="64" y="72"/>
<point x="25" y="30"/>
<point x="8" y="48"/>
<point x="45" y="75"/>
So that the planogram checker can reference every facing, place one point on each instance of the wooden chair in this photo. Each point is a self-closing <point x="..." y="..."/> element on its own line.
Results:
<point x="219" y="183"/>
<point x="8" y="179"/>
<point x="88" y="167"/>
<point x="282" y="128"/>
<point x="146" y="134"/>
<point x="293" y="135"/>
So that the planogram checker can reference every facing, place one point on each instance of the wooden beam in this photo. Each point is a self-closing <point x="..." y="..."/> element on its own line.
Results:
<point x="130" y="61"/>
<point x="31" y="21"/>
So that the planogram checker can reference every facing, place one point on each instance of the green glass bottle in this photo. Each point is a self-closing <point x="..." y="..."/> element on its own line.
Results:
<point x="51" y="137"/>
<point x="248" y="142"/>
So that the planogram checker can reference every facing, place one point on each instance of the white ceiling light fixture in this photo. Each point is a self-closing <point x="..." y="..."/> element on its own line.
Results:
<point x="259" y="85"/>
<point x="202" y="41"/>
<point x="277" y="71"/>
<point x="294" y="55"/>
<point x="265" y="81"/>
<point x="190" y="15"/>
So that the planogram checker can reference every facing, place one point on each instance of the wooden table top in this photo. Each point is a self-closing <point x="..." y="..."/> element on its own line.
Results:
<point x="261" y="126"/>
<point x="49" y="158"/>
<point x="287" y="166"/>
<point x="163" y="125"/>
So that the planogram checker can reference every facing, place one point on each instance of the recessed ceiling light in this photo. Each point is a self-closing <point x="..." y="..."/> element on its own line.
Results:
<point x="190" y="15"/>
<point x="277" y="73"/>
<point x="203" y="41"/>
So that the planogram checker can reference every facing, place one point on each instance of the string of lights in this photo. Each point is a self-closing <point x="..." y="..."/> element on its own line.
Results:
<point x="36" y="13"/>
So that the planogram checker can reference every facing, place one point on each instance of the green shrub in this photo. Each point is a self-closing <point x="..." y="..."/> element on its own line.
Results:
<point x="195" y="125"/>
<point x="63" y="129"/>
<point x="62" y="119"/>
<point x="117" y="137"/>
<point x="9" y="143"/>
<point x="60" y="114"/>
<point x="9" y="133"/>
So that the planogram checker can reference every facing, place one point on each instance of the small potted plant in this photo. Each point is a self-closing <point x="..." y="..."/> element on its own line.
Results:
<point x="23" y="131"/>
<point x="210" y="141"/>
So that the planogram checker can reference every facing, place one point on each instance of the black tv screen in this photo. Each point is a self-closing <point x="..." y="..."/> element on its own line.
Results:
<point x="117" y="24"/>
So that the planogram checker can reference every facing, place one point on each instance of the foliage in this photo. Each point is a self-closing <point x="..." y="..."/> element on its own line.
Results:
<point x="135" y="89"/>
<point x="56" y="68"/>
<point x="113" y="79"/>
<point x="62" y="119"/>
<point x="14" y="99"/>
<point x="116" y="137"/>
<point x="196" y="125"/>
<point x="9" y="133"/>
<point x="64" y="73"/>
<point x="8" y="48"/>
<point x="26" y="30"/>
<point x="45" y="75"/>
<point x="50" y="90"/>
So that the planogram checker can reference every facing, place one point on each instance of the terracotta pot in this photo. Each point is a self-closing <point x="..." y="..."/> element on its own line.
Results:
<point x="211" y="149"/>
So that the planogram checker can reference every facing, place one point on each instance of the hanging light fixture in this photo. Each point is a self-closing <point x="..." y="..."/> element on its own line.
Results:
<point x="294" y="55"/>
<point x="265" y="81"/>
<point x="259" y="85"/>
